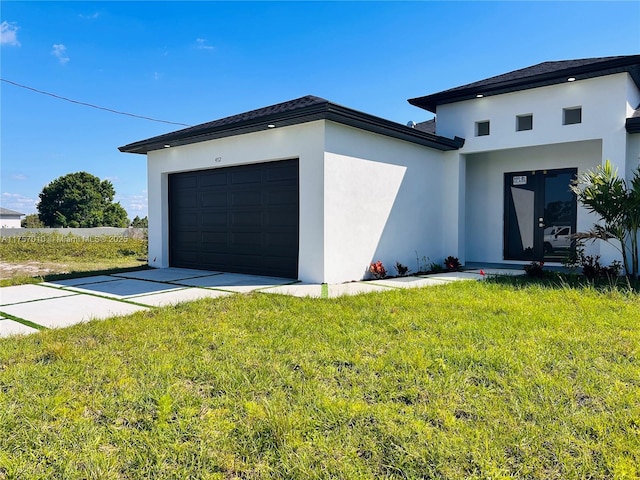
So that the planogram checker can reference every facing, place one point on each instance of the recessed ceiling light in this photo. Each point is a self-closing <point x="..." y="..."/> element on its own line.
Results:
<point x="571" y="79"/>
<point x="271" y="125"/>
<point x="166" y="145"/>
<point x="479" y="95"/>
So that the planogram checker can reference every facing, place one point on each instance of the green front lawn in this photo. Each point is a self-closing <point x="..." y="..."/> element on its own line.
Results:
<point x="34" y="257"/>
<point x="468" y="380"/>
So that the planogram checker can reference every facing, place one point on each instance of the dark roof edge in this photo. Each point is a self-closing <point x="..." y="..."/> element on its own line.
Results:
<point x="617" y="65"/>
<point x="364" y="121"/>
<point x="632" y="125"/>
<point x="322" y="111"/>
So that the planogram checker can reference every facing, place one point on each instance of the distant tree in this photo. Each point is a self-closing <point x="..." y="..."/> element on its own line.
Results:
<point x="140" y="222"/>
<point x="80" y="200"/>
<point x="115" y="216"/>
<point x="31" y="221"/>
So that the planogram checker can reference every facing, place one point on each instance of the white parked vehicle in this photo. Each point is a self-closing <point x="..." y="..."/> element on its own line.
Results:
<point x="557" y="238"/>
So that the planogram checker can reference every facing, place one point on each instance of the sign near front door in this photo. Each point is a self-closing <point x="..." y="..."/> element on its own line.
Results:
<point x="520" y="180"/>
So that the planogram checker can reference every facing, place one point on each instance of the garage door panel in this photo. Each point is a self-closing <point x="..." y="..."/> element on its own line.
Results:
<point x="282" y="197"/>
<point x="187" y="200"/>
<point x="214" y="199"/>
<point x="240" y="240"/>
<point x="216" y="240"/>
<point x="244" y="175"/>
<point x="278" y="241"/>
<point x="282" y="218"/>
<point x="213" y="178"/>
<point x="245" y="219"/>
<point x="283" y="172"/>
<point x="187" y="258"/>
<point x="186" y="220"/>
<point x="191" y="237"/>
<point x="246" y="198"/>
<point x="185" y="181"/>
<point x="214" y="219"/>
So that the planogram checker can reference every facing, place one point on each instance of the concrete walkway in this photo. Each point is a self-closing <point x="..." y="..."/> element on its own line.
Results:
<point x="26" y="308"/>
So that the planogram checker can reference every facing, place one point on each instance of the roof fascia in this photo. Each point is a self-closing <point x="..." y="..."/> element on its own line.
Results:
<point x="430" y="102"/>
<point x="632" y="125"/>
<point x="324" y="111"/>
<point x="370" y="123"/>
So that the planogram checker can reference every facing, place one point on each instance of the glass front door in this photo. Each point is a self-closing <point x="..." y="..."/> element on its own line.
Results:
<point x="540" y="215"/>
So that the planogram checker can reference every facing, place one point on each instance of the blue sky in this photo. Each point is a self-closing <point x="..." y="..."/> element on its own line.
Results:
<point x="192" y="62"/>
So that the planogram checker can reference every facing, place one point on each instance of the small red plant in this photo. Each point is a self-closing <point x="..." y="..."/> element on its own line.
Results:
<point x="452" y="263"/>
<point x="378" y="270"/>
<point x="535" y="269"/>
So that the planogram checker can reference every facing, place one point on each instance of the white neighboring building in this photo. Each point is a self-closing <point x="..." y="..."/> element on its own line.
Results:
<point x="312" y="190"/>
<point x="10" y="218"/>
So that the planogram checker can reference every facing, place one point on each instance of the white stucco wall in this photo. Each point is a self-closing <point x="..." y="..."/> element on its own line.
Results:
<point x="363" y="197"/>
<point x="382" y="202"/>
<point x="484" y="215"/>
<point x="10" y="222"/>
<point x="606" y="102"/>
<point x="604" y="105"/>
<point x="305" y="142"/>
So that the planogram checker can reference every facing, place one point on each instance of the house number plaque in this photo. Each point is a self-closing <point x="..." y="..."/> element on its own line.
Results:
<point x="520" y="180"/>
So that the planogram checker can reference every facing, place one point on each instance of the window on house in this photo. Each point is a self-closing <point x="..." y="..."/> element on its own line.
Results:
<point x="482" y="128"/>
<point x="524" y="122"/>
<point x="571" y="116"/>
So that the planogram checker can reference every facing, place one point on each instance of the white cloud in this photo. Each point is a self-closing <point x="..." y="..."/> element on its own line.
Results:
<point x="201" y="44"/>
<point x="60" y="52"/>
<point x="9" y="34"/>
<point x="19" y="176"/>
<point x="16" y="201"/>
<point x="156" y="75"/>
<point x="133" y="204"/>
<point x="91" y="16"/>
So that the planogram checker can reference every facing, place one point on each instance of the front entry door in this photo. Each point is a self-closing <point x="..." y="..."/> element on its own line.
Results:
<point x="540" y="215"/>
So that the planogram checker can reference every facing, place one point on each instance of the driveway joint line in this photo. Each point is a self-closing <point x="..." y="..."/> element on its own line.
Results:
<point x="28" y="323"/>
<point x="91" y="294"/>
<point x="71" y="294"/>
<point x="212" y="274"/>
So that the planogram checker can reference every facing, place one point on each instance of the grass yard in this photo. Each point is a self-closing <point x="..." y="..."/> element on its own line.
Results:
<point x="470" y="380"/>
<point x="35" y="257"/>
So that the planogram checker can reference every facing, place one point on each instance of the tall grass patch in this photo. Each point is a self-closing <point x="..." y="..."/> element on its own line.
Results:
<point x="472" y="380"/>
<point x="55" y="246"/>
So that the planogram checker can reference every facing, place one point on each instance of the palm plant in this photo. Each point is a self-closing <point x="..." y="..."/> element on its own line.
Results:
<point x="603" y="192"/>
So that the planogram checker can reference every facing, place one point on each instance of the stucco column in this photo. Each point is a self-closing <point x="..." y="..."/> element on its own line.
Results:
<point x="453" y="205"/>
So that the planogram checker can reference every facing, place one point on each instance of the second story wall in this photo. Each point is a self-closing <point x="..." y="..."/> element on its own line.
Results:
<point x="604" y="103"/>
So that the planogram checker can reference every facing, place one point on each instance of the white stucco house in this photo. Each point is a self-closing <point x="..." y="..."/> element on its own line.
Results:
<point x="10" y="218"/>
<point x="312" y="190"/>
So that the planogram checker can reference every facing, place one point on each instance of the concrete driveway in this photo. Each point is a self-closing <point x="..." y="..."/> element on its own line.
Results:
<point x="28" y="308"/>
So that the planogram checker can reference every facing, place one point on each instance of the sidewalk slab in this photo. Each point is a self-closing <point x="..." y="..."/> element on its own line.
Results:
<point x="9" y="328"/>
<point x="409" y="282"/>
<point x="499" y="271"/>
<point x="354" y="289"/>
<point x="72" y="282"/>
<point x="62" y="312"/>
<point x="29" y="293"/>
<point x="166" y="274"/>
<point x="456" y="276"/>
<point x="235" y="282"/>
<point x="177" y="296"/>
<point x="124" y="288"/>
<point x="297" y="290"/>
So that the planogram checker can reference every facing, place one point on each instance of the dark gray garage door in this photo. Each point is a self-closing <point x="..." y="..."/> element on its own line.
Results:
<point x="236" y="219"/>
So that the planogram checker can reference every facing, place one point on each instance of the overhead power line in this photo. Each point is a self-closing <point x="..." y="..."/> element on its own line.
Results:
<point x="90" y="104"/>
